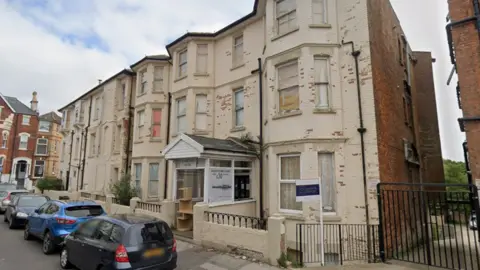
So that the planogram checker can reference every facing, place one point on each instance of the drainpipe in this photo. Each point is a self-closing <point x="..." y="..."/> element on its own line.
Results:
<point x="362" y="130"/>
<point x="260" y="137"/>
<point x="15" y="122"/>
<point x="70" y="158"/>
<point x="130" y="129"/>
<point x="86" y="140"/>
<point x="165" y="193"/>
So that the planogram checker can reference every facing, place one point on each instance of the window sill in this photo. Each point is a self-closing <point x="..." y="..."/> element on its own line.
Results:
<point x="285" y="34"/>
<point x="200" y="132"/>
<point x="137" y="141"/>
<point x="288" y="114"/>
<point x="201" y="74"/>
<point x="237" y="66"/>
<point x="23" y="149"/>
<point x="237" y="129"/>
<point x="180" y="78"/>
<point x="158" y="92"/>
<point x="142" y="94"/>
<point x="294" y="215"/>
<point x="215" y="204"/>
<point x="155" y="140"/>
<point x="323" y="25"/>
<point x="324" y="111"/>
<point x="116" y="152"/>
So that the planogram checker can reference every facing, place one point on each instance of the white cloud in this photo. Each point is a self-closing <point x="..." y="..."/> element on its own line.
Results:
<point x="42" y="45"/>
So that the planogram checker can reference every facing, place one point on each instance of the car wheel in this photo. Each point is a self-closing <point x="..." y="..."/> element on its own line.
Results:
<point x="11" y="223"/>
<point x="26" y="233"/>
<point x="64" y="261"/>
<point x="48" y="246"/>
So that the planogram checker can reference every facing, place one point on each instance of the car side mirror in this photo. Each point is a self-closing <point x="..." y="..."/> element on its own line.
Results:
<point x="36" y="211"/>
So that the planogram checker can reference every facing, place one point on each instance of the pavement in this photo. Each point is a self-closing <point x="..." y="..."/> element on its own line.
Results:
<point x="16" y="253"/>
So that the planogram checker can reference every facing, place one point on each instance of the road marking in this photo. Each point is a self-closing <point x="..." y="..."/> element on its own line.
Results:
<point x="209" y="266"/>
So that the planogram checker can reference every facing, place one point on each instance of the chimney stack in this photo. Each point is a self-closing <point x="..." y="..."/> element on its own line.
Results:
<point x="34" y="102"/>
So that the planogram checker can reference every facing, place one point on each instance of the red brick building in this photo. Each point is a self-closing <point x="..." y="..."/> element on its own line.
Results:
<point x="464" y="42"/>
<point x="18" y="129"/>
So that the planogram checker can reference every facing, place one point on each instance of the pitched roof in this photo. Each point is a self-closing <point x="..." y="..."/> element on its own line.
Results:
<point x="51" y="117"/>
<point x="18" y="106"/>
<point x="224" y="145"/>
<point x="158" y="57"/>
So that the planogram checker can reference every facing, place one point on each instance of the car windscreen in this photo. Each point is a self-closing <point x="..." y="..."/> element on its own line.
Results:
<point x="149" y="232"/>
<point x="31" y="201"/>
<point x="84" y="211"/>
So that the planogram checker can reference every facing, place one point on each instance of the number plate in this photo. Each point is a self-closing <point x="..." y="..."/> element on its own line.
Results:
<point x="153" y="252"/>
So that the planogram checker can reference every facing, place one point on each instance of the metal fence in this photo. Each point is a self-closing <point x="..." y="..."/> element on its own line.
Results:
<point x="341" y="243"/>
<point x="236" y="220"/>
<point x="429" y="224"/>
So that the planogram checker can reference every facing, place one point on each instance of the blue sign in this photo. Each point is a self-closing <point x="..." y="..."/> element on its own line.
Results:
<point x="308" y="190"/>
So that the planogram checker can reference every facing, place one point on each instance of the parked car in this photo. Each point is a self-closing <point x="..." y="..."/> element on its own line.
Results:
<point x="56" y="219"/>
<point x="21" y="206"/>
<point x="8" y="195"/>
<point x="128" y="241"/>
<point x="473" y="221"/>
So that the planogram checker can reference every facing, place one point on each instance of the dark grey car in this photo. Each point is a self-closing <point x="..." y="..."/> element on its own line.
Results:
<point x="6" y="197"/>
<point x="22" y="205"/>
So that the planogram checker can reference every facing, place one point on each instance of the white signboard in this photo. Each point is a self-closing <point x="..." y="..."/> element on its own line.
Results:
<point x="221" y="185"/>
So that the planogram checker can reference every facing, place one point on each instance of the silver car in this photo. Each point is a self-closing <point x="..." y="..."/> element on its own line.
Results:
<point x="6" y="196"/>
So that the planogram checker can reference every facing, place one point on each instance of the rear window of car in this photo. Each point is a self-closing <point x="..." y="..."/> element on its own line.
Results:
<point x="149" y="232"/>
<point x="84" y="211"/>
<point x="13" y="194"/>
<point x="31" y="201"/>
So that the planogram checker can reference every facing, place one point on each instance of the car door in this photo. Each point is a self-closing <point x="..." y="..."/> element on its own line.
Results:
<point x="99" y="247"/>
<point x="78" y="247"/>
<point x="46" y="218"/>
<point x="11" y="208"/>
<point x="34" y="219"/>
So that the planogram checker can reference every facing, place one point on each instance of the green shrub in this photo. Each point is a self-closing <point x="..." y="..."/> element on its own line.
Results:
<point x="124" y="190"/>
<point x="49" y="183"/>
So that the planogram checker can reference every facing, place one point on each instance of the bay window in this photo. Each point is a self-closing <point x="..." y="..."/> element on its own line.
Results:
<point x="153" y="176"/>
<point x="287" y="82"/>
<point x="322" y="84"/>
<point x="42" y="147"/>
<point x="326" y="172"/>
<point x="181" y="115"/>
<point x="286" y="15"/>
<point x="39" y="168"/>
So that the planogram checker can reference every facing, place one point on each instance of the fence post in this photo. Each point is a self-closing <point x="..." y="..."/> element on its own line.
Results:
<point x="109" y="202"/>
<point x="276" y="238"/>
<point x="381" y="236"/>
<point x="340" y="241"/>
<point x="133" y="204"/>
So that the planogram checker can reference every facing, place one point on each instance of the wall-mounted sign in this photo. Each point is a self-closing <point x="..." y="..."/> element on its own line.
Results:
<point x="308" y="190"/>
<point x="221" y="180"/>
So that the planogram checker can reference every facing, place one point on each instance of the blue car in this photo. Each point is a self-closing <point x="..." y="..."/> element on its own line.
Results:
<point x="56" y="219"/>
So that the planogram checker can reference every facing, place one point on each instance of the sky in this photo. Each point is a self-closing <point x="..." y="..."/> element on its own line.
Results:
<point x="60" y="48"/>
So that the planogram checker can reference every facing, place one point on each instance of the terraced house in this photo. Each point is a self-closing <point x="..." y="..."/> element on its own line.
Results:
<point x="295" y="90"/>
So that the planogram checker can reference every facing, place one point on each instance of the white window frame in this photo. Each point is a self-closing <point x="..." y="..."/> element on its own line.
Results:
<point x="138" y="181"/>
<point x="93" y="143"/>
<point x="238" y="51"/>
<point x="201" y="54"/>
<point x="22" y="136"/>
<point x="297" y="85"/>
<point x="143" y="82"/>
<point x="45" y="144"/>
<point x="236" y="110"/>
<point x="40" y="126"/>
<point x="97" y="108"/>
<point x="36" y="165"/>
<point x="325" y="12"/>
<point x="182" y="115"/>
<point x="197" y="167"/>
<point x="278" y="17"/>
<point x="318" y="84"/>
<point x="26" y="120"/>
<point x="150" y="180"/>
<point x="335" y="197"/>
<point x="5" y="140"/>
<point x="140" y="123"/>
<point x="200" y="113"/>
<point x="287" y="181"/>
<point x="158" y="80"/>
<point x="181" y="64"/>
<point x="154" y="124"/>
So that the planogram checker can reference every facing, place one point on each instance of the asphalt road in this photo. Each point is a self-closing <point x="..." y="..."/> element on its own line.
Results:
<point x="18" y="254"/>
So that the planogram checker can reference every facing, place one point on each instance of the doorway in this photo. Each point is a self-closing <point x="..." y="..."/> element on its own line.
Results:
<point x="20" y="173"/>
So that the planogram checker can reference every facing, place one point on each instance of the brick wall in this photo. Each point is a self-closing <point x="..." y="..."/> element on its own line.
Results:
<point x="425" y="106"/>
<point x="467" y="52"/>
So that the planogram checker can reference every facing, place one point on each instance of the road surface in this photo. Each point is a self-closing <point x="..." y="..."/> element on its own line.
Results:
<point x="16" y="254"/>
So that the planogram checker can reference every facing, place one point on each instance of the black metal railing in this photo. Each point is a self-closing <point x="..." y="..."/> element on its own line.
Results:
<point x="341" y="243"/>
<point x="429" y="224"/>
<point x="236" y="220"/>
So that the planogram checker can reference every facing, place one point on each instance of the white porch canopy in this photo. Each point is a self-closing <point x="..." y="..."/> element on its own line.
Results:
<point x="193" y="146"/>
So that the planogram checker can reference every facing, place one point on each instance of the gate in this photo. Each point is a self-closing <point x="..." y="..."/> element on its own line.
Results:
<point x="341" y="242"/>
<point x="429" y="224"/>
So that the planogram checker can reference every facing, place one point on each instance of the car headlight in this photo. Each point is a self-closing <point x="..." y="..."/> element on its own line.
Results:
<point x="23" y="215"/>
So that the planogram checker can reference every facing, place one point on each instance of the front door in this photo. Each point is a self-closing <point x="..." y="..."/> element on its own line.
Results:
<point x="21" y="173"/>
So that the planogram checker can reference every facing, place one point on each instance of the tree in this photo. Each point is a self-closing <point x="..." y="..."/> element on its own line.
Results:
<point x="455" y="173"/>
<point x="49" y="183"/>
<point x="124" y="190"/>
